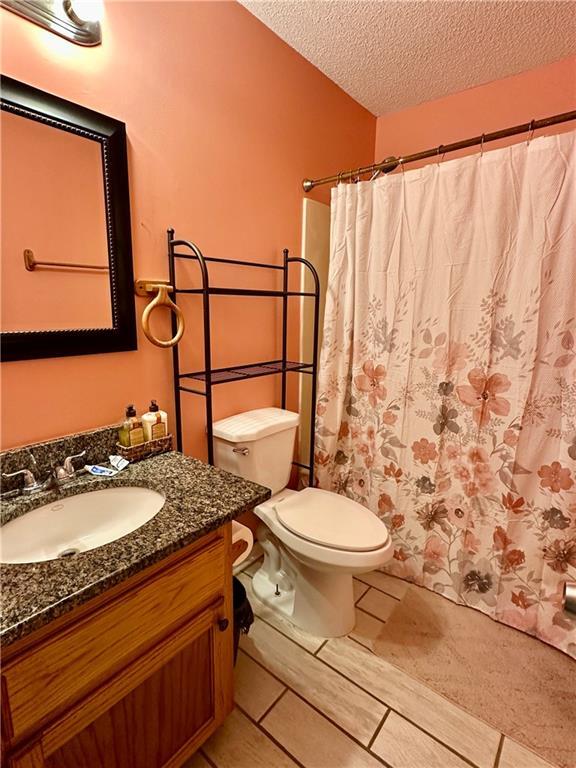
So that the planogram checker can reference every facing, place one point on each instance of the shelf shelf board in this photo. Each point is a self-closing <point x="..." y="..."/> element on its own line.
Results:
<point x="241" y="372"/>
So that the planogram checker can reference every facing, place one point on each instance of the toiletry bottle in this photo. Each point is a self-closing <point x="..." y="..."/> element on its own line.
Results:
<point x="155" y="422"/>
<point x="131" y="432"/>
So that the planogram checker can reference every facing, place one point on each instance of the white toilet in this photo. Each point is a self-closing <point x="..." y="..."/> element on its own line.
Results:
<point x="313" y="540"/>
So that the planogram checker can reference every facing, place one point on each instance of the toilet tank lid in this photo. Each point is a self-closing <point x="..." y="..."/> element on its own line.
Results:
<point x="253" y="425"/>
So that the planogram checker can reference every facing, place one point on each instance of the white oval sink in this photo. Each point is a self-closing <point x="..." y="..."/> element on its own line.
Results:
<point x="77" y="524"/>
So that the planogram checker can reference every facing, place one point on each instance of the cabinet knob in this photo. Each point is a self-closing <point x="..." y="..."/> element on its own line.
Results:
<point x="223" y="624"/>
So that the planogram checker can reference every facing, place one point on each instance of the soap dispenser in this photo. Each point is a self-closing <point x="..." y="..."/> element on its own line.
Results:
<point x="155" y="422"/>
<point x="131" y="432"/>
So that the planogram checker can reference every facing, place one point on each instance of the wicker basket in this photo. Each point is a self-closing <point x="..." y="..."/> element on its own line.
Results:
<point x="145" y="450"/>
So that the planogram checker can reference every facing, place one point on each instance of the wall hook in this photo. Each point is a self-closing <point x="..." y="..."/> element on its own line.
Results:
<point x="161" y="288"/>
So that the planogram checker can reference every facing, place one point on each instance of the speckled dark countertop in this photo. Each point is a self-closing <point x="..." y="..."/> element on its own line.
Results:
<point x="199" y="498"/>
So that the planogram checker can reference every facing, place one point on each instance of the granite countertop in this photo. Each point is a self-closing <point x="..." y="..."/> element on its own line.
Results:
<point x="199" y="498"/>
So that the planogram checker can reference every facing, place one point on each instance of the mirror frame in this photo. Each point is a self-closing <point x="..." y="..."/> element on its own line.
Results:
<point x="33" y="104"/>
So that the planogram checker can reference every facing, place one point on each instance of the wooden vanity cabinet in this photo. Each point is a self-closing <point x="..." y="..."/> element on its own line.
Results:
<point x="136" y="678"/>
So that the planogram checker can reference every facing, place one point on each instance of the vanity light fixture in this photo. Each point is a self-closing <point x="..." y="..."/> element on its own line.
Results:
<point x="75" y="20"/>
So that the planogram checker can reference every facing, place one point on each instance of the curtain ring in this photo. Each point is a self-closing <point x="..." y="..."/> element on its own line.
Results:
<point x="357" y="179"/>
<point x="401" y="164"/>
<point x="339" y="180"/>
<point x="438" y="158"/>
<point x="482" y="145"/>
<point x="530" y="132"/>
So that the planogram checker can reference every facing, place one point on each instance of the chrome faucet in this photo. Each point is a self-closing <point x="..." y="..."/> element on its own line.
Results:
<point x="59" y="476"/>
<point x="31" y="485"/>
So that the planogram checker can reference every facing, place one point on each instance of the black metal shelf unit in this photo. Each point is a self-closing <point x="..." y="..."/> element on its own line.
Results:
<point x="210" y="377"/>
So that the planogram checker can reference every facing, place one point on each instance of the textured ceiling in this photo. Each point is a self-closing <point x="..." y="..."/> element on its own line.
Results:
<point x="390" y="55"/>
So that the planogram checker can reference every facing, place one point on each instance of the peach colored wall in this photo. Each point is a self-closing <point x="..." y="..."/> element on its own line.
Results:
<point x="51" y="185"/>
<point x="534" y="94"/>
<point x="223" y="122"/>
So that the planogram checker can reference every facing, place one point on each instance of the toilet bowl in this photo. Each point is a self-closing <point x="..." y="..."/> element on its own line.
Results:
<point x="314" y="541"/>
<point x="310" y="578"/>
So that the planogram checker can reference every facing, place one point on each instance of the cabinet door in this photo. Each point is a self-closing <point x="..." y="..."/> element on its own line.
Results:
<point x="42" y="684"/>
<point x="180" y="697"/>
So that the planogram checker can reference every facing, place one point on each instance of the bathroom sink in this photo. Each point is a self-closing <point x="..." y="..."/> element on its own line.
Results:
<point x="77" y="524"/>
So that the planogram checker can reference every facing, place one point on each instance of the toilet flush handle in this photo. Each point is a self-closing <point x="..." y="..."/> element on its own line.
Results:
<point x="243" y="451"/>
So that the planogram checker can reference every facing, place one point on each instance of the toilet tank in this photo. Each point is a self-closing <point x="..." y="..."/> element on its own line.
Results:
<point x="257" y="445"/>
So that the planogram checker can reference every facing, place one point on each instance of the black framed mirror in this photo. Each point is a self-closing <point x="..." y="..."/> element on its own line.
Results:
<point x="67" y="276"/>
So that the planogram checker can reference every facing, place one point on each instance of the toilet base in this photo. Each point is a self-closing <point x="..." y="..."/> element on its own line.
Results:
<point x="324" y="602"/>
<point x="265" y="591"/>
<point x="318" y="602"/>
<point x="309" y="584"/>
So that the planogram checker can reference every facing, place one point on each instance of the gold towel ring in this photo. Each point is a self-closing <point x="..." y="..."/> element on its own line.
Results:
<point x="161" y="300"/>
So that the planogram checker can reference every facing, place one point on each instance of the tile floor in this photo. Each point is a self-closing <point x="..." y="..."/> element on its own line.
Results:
<point x="304" y="701"/>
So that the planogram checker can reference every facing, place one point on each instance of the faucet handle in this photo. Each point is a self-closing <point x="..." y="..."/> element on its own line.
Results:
<point x="68" y="466"/>
<point x="29" y="479"/>
<point x="30" y="485"/>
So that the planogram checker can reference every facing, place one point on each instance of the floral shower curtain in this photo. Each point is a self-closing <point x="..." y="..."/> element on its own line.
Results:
<point x="447" y="390"/>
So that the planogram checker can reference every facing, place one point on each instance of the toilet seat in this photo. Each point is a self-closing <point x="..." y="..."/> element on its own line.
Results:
<point x="330" y="520"/>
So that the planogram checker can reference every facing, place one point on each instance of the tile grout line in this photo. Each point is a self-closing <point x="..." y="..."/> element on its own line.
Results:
<point x="366" y="647"/>
<point x="340" y="728"/>
<point x="405" y="717"/>
<point x="373" y="615"/>
<point x="399" y="599"/>
<point x="363" y="593"/>
<point x="363" y="610"/>
<point x="271" y="707"/>
<point x="369" y="693"/>
<point x="288" y="637"/>
<point x="499" y="751"/>
<point x="320" y="712"/>
<point x="269" y="736"/>
<point x="310" y="653"/>
<point x="379" y="728"/>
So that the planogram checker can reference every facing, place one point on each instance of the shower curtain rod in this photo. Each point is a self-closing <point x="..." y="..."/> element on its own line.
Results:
<point x="390" y="163"/>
